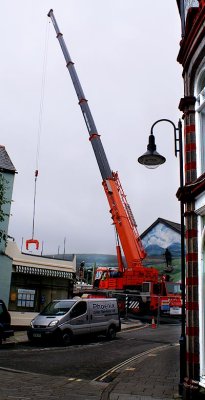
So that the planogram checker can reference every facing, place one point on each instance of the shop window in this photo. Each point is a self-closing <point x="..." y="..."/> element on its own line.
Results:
<point x="200" y="124"/>
<point x="25" y="298"/>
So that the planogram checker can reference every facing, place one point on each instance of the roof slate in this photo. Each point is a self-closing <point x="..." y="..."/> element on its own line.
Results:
<point x="5" y="161"/>
<point x="173" y="225"/>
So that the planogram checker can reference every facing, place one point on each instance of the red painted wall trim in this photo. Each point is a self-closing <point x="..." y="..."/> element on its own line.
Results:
<point x="192" y="257"/>
<point x="192" y="306"/>
<point x="190" y="147"/>
<point x="202" y="3"/>
<point x="192" y="331"/>
<point x="191" y="233"/>
<point x="189" y="128"/>
<point x="191" y="165"/>
<point x="192" y="281"/>
<point x="192" y="358"/>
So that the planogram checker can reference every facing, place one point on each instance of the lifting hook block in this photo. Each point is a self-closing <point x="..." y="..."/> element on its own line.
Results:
<point x="32" y="241"/>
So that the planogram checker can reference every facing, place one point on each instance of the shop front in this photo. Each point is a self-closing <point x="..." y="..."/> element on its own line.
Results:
<point x="36" y="280"/>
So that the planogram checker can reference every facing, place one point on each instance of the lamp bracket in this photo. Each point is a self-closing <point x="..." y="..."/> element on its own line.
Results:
<point x="177" y="140"/>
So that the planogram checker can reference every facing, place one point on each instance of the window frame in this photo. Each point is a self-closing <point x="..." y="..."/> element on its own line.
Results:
<point x="199" y="93"/>
<point x="200" y="122"/>
<point x="200" y="211"/>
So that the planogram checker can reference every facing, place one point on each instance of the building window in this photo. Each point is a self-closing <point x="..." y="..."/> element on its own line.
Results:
<point x="25" y="298"/>
<point x="200" y="211"/>
<point x="200" y="124"/>
<point x="202" y="307"/>
<point x="190" y="4"/>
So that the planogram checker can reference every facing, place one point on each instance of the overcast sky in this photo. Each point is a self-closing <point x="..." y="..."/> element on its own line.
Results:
<point x="125" y="54"/>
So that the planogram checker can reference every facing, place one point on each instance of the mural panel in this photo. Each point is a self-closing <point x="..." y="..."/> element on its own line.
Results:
<point x="163" y="247"/>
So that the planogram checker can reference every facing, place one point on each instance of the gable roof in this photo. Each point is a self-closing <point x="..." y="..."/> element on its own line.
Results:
<point x="173" y="225"/>
<point x="5" y="161"/>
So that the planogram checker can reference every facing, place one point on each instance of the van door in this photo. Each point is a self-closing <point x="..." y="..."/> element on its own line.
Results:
<point x="102" y="314"/>
<point x="79" y="319"/>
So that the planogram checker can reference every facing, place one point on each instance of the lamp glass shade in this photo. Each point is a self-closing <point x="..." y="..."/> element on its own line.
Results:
<point x="151" y="159"/>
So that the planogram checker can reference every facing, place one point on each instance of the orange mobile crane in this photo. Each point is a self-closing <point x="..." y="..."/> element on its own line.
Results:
<point x="135" y="277"/>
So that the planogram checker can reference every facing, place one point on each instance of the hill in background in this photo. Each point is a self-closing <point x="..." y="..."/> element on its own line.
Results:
<point x="110" y="260"/>
<point x="91" y="260"/>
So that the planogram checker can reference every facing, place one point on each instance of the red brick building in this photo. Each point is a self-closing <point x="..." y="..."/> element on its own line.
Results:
<point x="192" y="58"/>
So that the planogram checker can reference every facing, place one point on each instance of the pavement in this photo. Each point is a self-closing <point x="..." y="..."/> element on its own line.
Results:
<point x="152" y="375"/>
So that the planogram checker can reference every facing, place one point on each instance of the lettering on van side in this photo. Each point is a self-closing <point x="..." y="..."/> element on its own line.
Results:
<point x="103" y="308"/>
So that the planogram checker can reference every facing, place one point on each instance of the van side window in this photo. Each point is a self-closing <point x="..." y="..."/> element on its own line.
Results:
<point x="79" y="309"/>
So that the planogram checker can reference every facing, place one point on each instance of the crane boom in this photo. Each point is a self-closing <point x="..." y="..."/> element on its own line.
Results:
<point x="92" y="130"/>
<point x="122" y="216"/>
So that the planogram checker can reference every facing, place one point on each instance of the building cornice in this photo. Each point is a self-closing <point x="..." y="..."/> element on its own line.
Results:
<point x="190" y="191"/>
<point x="186" y="102"/>
<point x="195" y="31"/>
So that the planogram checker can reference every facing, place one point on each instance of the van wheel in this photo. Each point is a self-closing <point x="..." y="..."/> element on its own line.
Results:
<point x="66" y="338"/>
<point x="111" y="333"/>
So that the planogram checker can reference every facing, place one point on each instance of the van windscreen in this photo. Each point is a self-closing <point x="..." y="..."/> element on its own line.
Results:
<point x="58" y="307"/>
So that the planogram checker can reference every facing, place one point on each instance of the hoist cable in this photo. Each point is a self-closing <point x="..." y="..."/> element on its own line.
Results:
<point x="34" y="204"/>
<point x="43" y="83"/>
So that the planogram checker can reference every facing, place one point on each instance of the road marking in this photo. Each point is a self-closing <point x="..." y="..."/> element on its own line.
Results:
<point x="130" y="369"/>
<point x="105" y="375"/>
<point x="75" y="379"/>
<point x="35" y="374"/>
<point x="138" y="328"/>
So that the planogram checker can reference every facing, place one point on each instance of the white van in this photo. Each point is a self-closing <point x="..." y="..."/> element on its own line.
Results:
<point x="61" y="320"/>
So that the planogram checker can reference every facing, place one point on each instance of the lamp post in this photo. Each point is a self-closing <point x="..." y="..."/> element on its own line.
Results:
<point x="152" y="159"/>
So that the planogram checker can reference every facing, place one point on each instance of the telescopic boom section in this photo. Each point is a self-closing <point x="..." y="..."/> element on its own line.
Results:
<point x="120" y="210"/>
<point x="94" y="136"/>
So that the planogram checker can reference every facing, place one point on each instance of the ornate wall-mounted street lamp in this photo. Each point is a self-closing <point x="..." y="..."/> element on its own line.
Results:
<point x="152" y="159"/>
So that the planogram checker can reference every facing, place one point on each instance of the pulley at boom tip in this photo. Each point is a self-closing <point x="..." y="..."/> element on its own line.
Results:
<point x="49" y="13"/>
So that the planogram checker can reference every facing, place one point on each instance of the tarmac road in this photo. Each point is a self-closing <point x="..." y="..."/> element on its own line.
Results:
<point x="87" y="359"/>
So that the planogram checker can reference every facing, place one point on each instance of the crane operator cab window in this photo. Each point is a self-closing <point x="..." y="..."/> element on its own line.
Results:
<point x="173" y="288"/>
